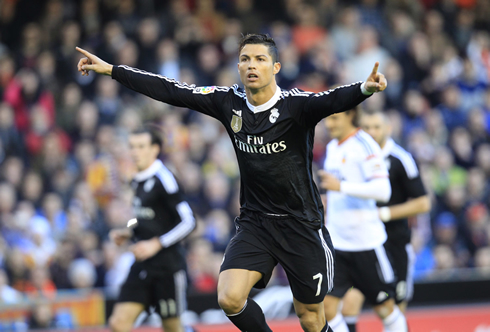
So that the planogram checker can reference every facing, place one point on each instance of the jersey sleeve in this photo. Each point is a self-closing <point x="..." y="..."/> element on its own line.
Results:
<point x="374" y="167"/>
<point x="313" y="107"/>
<point x="206" y="100"/>
<point x="179" y="209"/>
<point x="412" y="182"/>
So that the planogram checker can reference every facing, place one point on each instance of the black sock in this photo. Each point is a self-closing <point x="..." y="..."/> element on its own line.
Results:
<point x="250" y="319"/>
<point x="326" y="328"/>
<point x="352" y="327"/>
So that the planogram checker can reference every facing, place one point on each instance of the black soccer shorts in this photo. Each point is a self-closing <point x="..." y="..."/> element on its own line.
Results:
<point x="306" y="254"/>
<point x="403" y="258"/>
<point x="369" y="271"/>
<point x="164" y="291"/>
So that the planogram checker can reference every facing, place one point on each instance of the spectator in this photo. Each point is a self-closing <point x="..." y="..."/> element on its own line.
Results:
<point x="40" y="285"/>
<point x="81" y="273"/>
<point x="64" y="172"/>
<point x="8" y="295"/>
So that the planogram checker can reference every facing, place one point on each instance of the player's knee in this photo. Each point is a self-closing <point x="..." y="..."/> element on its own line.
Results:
<point x="310" y="320"/>
<point x="231" y="303"/>
<point x="385" y="309"/>
<point x="118" y="323"/>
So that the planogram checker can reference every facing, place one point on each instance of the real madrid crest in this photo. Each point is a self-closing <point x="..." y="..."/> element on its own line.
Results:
<point x="274" y="115"/>
<point x="236" y="123"/>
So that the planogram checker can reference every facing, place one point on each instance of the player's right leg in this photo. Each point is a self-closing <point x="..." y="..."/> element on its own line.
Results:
<point x="244" y="266"/>
<point x="133" y="298"/>
<point x="124" y="315"/>
<point x="234" y="285"/>
<point x="351" y="307"/>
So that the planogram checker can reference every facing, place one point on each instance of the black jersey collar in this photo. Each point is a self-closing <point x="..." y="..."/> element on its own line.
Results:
<point x="267" y="105"/>
<point x="386" y="151"/>
<point x="149" y="172"/>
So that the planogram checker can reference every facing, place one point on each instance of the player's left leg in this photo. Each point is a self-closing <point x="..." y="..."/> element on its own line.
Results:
<point x="308" y="258"/>
<point x="403" y="306"/>
<point x="403" y="260"/>
<point x="393" y="319"/>
<point x="351" y="307"/>
<point x="375" y="278"/>
<point x="172" y="325"/>
<point x="170" y="298"/>
<point x="311" y="316"/>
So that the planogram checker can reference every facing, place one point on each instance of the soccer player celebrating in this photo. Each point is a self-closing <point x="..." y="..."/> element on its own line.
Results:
<point x="408" y="199"/>
<point x="281" y="215"/>
<point x="158" y="276"/>
<point x="355" y="177"/>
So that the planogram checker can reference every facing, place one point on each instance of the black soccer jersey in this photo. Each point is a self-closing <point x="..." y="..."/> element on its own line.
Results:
<point x="405" y="183"/>
<point x="161" y="211"/>
<point x="273" y="142"/>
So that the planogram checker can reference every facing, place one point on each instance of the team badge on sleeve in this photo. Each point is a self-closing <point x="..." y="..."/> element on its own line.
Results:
<point x="204" y="90"/>
<point x="236" y="123"/>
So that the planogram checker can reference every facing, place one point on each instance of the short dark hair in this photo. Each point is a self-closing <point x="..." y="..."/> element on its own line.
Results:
<point x="357" y="115"/>
<point x="153" y="131"/>
<point x="260" y="38"/>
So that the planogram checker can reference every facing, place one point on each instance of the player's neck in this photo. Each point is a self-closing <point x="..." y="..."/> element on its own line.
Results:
<point x="146" y="167"/>
<point x="382" y="144"/>
<point x="347" y="133"/>
<point x="258" y="97"/>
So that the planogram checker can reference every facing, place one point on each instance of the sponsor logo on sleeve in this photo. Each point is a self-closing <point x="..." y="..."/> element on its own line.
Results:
<point x="204" y="90"/>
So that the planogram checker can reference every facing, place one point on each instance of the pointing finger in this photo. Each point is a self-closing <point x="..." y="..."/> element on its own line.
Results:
<point x="81" y="50"/>
<point x="375" y="69"/>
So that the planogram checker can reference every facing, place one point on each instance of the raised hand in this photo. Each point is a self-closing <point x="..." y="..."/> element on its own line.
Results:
<point x="376" y="82"/>
<point x="92" y="62"/>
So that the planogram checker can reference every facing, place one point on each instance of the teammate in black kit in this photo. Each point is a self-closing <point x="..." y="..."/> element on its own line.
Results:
<point x="158" y="276"/>
<point x="281" y="215"/>
<point x="408" y="199"/>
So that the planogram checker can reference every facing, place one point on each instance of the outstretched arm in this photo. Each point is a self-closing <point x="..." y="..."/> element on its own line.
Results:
<point x="206" y="100"/>
<point x="317" y="106"/>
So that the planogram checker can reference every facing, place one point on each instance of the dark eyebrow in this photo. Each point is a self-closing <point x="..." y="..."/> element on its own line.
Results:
<point x="257" y="56"/>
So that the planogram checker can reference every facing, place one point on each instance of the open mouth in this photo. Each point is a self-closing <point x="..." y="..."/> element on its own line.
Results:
<point x="252" y="76"/>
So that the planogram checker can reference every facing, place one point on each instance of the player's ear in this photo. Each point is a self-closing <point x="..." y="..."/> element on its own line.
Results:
<point x="156" y="149"/>
<point x="277" y="67"/>
<point x="389" y="129"/>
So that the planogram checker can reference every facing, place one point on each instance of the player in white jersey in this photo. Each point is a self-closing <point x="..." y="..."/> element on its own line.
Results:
<point x="355" y="178"/>
<point x="408" y="199"/>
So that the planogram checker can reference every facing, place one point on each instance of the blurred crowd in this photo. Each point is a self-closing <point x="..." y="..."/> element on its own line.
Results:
<point x="65" y="165"/>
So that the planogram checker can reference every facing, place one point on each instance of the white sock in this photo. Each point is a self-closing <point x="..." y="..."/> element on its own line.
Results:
<point x="338" y="323"/>
<point x="395" y="322"/>
<point x="351" y="319"/>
